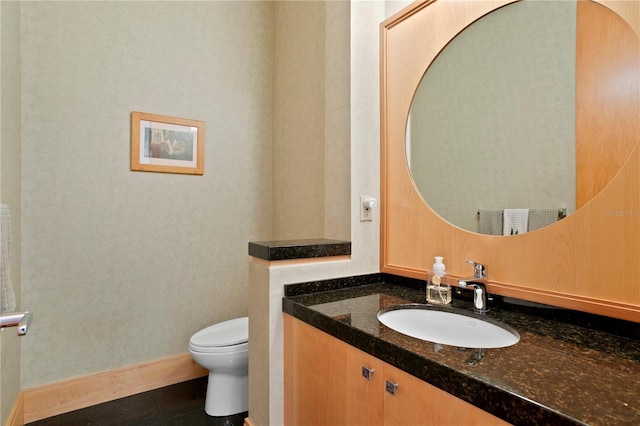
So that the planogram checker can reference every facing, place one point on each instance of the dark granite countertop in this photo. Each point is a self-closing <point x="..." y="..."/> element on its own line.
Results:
<point x="568" y="368"/>
<point x="298" y="249"/>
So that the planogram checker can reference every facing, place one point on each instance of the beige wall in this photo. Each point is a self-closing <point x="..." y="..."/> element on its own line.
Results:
<point x="266" y="387"/>
<point x="523" y="66"/>
<point x="311" y="120"/>
<point x="121" y="267"/>
<point x="298" y="128"/>
<point x="111" y="275"/>
<point x="10" y="169"/>
<point x="337" y="123"/>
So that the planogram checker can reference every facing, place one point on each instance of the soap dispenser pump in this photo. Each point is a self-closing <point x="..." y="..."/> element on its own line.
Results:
<point x="437" y="292"/>
<point x="438" y="268"/>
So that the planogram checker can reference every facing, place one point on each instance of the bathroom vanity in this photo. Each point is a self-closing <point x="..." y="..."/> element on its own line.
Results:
<point x="335" y="383"/>
<point x="568" y="368"/>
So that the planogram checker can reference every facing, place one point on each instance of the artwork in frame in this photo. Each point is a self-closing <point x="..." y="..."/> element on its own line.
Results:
<point x="160" y="143"/>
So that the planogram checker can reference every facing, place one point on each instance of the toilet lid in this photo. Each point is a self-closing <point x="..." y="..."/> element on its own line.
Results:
<point x="226" y="333"/>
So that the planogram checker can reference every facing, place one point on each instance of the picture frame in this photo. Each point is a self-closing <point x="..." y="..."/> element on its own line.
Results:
<point x="165" y="144"/>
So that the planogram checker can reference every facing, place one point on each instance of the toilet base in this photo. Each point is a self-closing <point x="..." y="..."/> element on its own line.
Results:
<point x="234" y="420"/>
<point x="227" y="394"/>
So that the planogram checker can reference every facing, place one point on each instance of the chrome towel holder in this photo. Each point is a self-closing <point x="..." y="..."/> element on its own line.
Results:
<point x="22" y="320"/>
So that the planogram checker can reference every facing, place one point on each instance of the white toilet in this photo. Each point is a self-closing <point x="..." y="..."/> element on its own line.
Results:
<point x="223" y="349"/>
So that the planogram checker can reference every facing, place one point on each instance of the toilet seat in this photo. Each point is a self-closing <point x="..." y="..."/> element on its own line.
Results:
<point x="226" y="336"/>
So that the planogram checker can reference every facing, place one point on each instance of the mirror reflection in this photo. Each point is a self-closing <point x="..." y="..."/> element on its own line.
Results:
<point x="491" y="137"/>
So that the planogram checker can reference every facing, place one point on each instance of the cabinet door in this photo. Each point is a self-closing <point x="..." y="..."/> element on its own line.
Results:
<point x="314" y="373"/>
<point x="323" y="380"/>
<point x="324" y="386"/>
<point x="419" y="403"/>
<point x="365" y="399"/>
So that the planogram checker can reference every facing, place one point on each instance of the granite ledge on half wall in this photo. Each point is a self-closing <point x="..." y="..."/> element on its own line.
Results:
<point x="299" y="249"/>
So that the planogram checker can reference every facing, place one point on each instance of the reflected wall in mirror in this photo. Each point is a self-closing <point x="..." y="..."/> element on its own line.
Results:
<point x="493" y="121"/>
<point x="588" y="260"/>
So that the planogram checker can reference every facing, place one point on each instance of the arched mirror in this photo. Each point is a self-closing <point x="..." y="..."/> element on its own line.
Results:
<point x="493" y="123"/>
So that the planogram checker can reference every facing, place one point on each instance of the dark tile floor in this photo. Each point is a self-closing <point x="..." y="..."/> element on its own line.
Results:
<point x="178" y="405"/>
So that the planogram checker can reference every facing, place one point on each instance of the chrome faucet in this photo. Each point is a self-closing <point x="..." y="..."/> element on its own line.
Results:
<point x="479" y="285"/>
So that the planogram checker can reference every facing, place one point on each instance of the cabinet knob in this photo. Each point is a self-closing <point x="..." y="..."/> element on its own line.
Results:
<point x="367" y="372"/>
<point x="391" y="387"/>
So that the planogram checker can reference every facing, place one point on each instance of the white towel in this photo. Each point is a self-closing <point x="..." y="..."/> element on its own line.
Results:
<point x="7" y="298"/>
<point x="514" y="221"/>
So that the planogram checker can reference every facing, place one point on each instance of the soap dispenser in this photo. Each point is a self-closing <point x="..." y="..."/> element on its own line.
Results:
<point x="438" y="268"/>
<point x="437" y="292"/>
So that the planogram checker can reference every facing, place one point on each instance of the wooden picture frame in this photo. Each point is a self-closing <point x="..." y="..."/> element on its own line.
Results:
<point x="164" y="144"/>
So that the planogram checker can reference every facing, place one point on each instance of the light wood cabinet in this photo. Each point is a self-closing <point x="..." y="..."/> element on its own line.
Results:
<point x="323" y="380"/>
<point x="324" y="385"/>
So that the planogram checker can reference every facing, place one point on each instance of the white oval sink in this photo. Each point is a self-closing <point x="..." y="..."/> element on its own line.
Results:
<point x="448" y="326"/>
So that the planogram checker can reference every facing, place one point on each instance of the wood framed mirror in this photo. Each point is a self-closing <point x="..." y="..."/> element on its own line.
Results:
<point x="589" y="260"/>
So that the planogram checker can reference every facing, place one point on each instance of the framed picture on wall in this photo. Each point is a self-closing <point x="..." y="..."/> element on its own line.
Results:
<point x="160" y="143"/>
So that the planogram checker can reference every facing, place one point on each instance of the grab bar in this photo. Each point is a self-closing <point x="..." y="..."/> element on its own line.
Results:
<point x="22" y="320"/>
